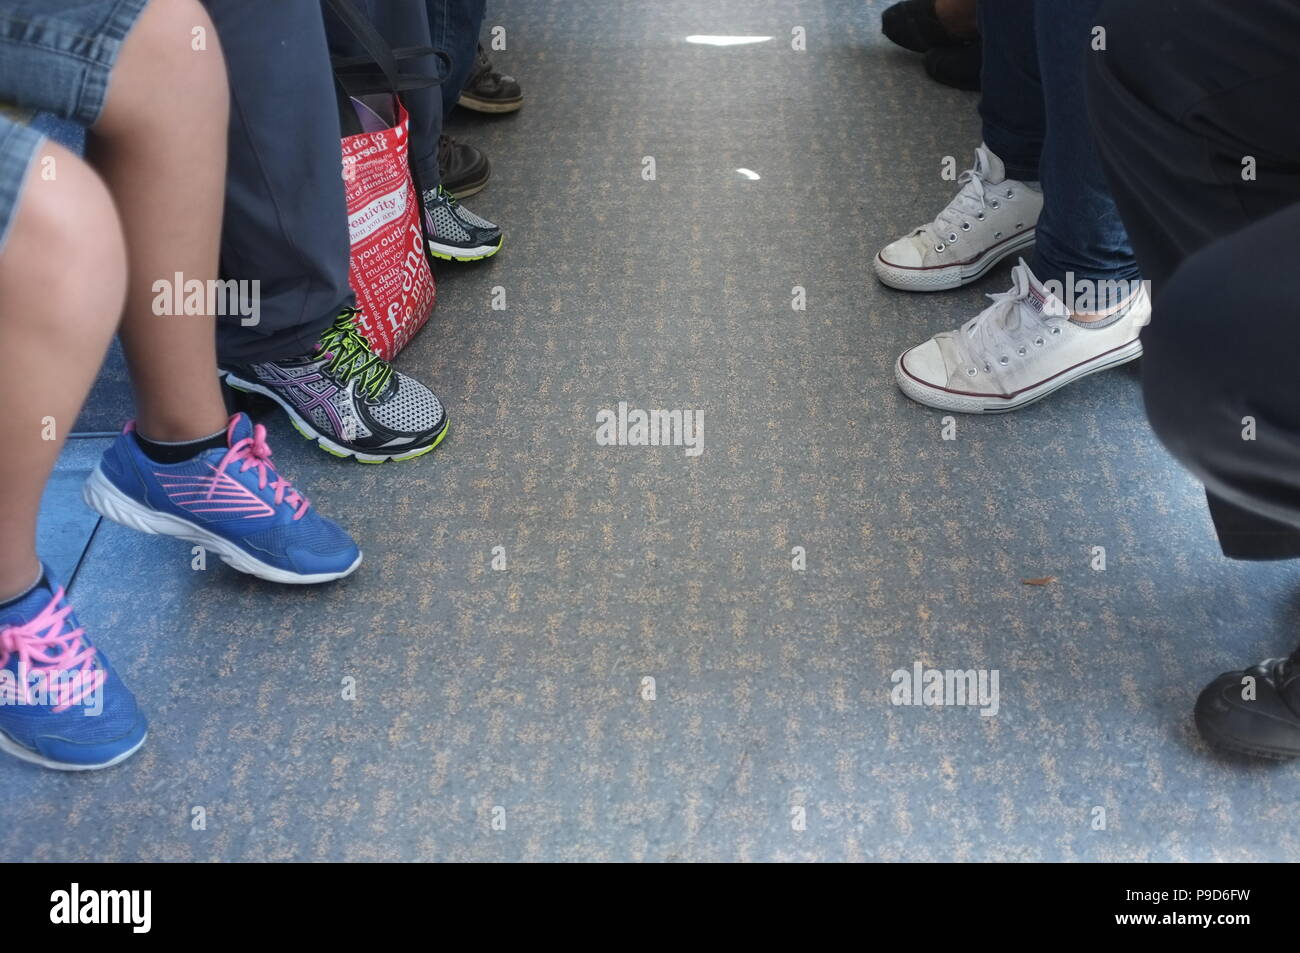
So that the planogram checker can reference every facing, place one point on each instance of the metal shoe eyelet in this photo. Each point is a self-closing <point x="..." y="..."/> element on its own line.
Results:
<point x="1021" y="350"/>
<point x="971" y="372"/>
<point x="997" y="234"/>
<point x="1011" y="193"/>
<point x="1019" y="225"/>
<point x="994" y="204"/>
<point x="987" y="369"/>
<point x="1038" y="342"/>
<point x="1056" y="330"/>
<point x="953" y="238"/>
<point x="979" y="217"/>
<point x="1004" y="360"/>
<point x="965" y="226"/>
<point x="939" y="248"/>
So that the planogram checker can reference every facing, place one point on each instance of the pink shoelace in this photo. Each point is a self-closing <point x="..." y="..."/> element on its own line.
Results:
<point x="42" y="649"/>
<point x="254" y="451"/>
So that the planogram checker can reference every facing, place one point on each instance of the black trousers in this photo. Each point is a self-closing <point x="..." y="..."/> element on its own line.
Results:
<point x="286" y="219"/>
<point x="286" y="222"/>
<point x="1194" y="104"/>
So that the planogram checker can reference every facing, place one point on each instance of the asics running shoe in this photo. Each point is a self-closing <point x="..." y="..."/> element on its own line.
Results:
<point x="348" y="399"/>
<point x="455" y="232"/>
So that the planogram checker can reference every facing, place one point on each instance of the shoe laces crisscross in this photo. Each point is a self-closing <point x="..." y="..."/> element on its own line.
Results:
<point x="991" y="337"/>
<point x="254" y="451"/>
<point x="970" y="202"/>
<point x="351" y="357"/>
<point x="63" y="660"/>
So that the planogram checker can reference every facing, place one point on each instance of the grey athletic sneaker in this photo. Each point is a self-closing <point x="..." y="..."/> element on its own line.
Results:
<point x="348" y="399"/>
<point x="456" y="233"/>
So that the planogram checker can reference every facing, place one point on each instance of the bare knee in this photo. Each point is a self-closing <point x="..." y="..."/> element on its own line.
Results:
<point x="170" y="65"/>
<point x="64" y="263"/>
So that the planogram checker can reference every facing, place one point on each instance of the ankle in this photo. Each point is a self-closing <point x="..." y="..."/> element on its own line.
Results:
<point x="179" y="451"/>
<point x="18" y="579"/>
<point x="169" y="430"/>
<point x="1090" y="317"/>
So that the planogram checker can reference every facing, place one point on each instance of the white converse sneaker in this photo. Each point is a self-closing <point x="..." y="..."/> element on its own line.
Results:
<point x="1017" y="351"/>
<point x="990" y="218"/>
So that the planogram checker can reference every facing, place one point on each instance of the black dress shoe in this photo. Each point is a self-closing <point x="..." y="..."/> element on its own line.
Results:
<point x="1266" y="725"/>
<point x="956" y="66"/>
<point x="912" y="24"/>
<point x="465" y="170"/>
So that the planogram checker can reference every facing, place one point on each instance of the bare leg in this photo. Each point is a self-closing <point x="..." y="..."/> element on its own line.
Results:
<point x="160" y="144"/>
<point x="55" y="325"/>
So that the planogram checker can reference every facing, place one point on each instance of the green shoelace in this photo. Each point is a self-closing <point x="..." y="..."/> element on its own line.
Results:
<point x="351" y="356"/>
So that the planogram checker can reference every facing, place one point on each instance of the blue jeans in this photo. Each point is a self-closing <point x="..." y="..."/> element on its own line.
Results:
<point x="1034" y="115"/>
<point x="55" y="55"/>
<point x="454" y="28"/>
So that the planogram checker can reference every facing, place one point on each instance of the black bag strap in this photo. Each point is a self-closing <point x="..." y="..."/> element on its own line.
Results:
<point x="357" y="76"/>
<point x="378" y="70"/>
<point x="376" y="47"/>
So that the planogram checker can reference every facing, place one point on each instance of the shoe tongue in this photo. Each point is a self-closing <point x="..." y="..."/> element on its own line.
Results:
<point x="1035" y="295"/>
<point x="345" y="368"/>
<point x="989" y="166"/>
<point x="238" y="428"/>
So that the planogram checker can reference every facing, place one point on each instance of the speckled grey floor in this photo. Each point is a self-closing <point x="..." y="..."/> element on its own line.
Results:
<point x="516" y="696"/>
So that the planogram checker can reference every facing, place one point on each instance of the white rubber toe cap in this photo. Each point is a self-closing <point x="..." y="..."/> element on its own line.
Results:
<point x="903" y="253"/>
<point x="925" y="363"/>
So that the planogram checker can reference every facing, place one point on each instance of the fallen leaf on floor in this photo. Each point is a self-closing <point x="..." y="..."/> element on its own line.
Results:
<point x="1041" y="581"/>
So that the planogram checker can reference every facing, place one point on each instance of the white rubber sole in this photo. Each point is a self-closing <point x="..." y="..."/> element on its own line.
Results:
<point x="104" y="498"/>
<point x="941" y="399"/>
<point x="329" y="446"/>
<point x="8" y="746"/>
<point x="954" y="276"/>
<point x="456" y="253"/>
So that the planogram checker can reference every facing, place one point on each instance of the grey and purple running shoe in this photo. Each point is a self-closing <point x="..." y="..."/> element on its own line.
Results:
<point x="348" y="399"/>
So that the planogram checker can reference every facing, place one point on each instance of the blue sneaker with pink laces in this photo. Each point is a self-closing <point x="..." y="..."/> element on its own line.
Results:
<point x="230" y="500"/>
<point x="61" y="704"/>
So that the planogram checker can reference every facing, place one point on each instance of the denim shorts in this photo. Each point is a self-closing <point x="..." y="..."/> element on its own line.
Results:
<point x="55" y="56"/>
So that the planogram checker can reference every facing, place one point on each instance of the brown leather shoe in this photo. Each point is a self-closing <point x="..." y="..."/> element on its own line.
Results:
<point x="487" y="91"/>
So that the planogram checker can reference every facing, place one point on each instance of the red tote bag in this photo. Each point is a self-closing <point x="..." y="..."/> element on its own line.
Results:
<point x="389" y="270"/>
